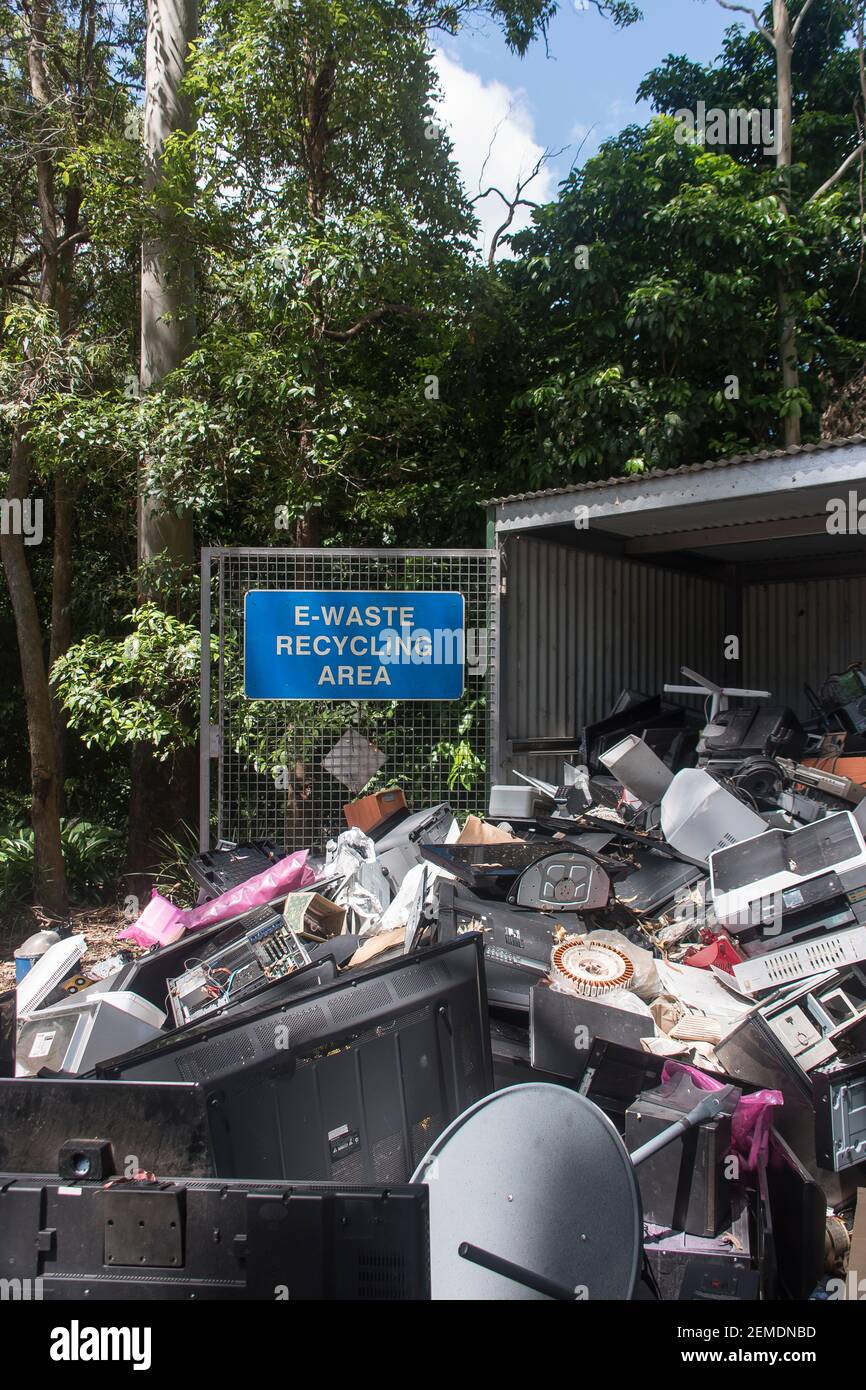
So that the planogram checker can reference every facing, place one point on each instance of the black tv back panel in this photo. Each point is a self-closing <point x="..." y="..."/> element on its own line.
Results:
<point x="216" y="871"/>
<point x="158" y="1129"/>
<point x="350" y="1083"/>
<point x="276" y="1242"/>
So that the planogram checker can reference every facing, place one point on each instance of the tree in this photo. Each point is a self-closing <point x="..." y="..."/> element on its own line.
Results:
<point x="163" y="795"/>
<point x="55" y="69"/>
<point x="779" y="28"/>
<point x="646" y="296"/>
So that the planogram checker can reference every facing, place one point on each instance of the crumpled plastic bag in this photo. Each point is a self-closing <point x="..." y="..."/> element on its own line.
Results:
<point x="162" y="923"/>
<point x="753" y="1117"/>
<point x="363" y="887"/>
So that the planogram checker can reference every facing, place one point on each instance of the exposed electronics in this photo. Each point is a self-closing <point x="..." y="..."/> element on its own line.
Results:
<point x="699" y="817"/>
<point x="844" y="695"/>
<point x="591" y="969"/>
<point x="72" y="1037"/>
<point x="348" y="1083"/>
<point x="175" y="1239"/>
<point x="777" y="862"/>
<point x="683" y="1187"/>
<point x="218" y="870"/>
<point x="517" y="944"/>
<point x="398" y="849"/>
<point x="266" y="950"/>
<point x="563" y="1028"/>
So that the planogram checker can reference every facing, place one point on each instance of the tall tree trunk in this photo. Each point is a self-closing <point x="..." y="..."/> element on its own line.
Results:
<point x="61" y="610"/>
<point x="163" y="794"/>
<point x="64" y="502"/>
<point x="784" y="45"/>
<point x="44" y="784"/>
<point x="319" y="79"/>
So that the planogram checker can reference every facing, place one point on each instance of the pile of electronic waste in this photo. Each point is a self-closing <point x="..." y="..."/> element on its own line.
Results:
<point x="683" y="917"/>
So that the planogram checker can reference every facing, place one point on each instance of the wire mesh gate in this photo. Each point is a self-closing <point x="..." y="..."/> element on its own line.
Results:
<point x="271" y="780"/>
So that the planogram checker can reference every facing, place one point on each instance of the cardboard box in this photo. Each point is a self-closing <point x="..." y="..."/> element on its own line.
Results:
<point x="314" y="917"/>
<point x="371" y="810"/>
<point x="479" y="832"/>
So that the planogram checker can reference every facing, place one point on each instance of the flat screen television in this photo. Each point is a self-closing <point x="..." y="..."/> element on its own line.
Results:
<point x="350" y="1083"/>
<point x="211" y="1239"/>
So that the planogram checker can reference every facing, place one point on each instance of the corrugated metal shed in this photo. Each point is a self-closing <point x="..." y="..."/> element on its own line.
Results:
<point x="617" y="584"/>
<point x="795" y="451"/>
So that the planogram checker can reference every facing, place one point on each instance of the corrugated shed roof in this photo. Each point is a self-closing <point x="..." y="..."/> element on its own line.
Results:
<point x="709" y="464"/>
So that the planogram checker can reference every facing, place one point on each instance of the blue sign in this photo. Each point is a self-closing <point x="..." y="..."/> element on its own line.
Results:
<point x="306" y="644"/>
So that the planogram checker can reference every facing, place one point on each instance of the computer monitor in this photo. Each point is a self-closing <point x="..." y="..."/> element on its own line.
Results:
<point x="350" y="1083"/>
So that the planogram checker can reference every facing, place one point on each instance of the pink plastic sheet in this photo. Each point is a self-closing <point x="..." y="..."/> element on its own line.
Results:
<point x="161" y="922"/>
<point x="750" y="1126"/>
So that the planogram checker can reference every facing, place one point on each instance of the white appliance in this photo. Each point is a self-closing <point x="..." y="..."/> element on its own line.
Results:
<point x="637" y="768"/>
<point x="73" y="1036"/>
<point x="784" y="860"/>
<point x="698" y="816"/>
<point x="51" y="970"/>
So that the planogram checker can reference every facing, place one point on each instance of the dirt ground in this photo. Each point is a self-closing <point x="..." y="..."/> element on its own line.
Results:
<point x="98" y="925"/>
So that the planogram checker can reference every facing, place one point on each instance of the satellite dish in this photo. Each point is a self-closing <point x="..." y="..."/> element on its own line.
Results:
<point x="538" y="1176"/>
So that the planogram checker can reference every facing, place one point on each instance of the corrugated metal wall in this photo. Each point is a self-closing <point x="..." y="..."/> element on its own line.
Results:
<point x="801" y="632"/>
<point x="578" y="628"/>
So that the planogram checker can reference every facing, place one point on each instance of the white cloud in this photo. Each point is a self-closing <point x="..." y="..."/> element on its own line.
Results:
<point x="489" y="121"/>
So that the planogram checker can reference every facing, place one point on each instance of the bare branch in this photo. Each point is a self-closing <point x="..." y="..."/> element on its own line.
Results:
<point x="795" y="27"/>
<point x="343" y="335"/>
<point x="518" y="200"/>
<point x="744" y="9"/>
<point x="840" y="173"/>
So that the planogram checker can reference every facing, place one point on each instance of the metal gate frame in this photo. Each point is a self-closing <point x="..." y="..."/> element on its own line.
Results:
<point x="211" y="734"/>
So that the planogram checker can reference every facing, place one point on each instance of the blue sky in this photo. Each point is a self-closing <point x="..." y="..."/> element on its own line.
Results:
<point x="584" y="86"/>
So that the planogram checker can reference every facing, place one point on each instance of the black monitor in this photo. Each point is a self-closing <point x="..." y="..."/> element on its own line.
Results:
<point x="350" y="1083"/>
<point x="211" y="1239"/>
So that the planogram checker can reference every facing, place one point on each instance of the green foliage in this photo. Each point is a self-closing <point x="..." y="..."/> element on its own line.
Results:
<point x="659" y="346"/>
<point x="171" y="875"/>
<point x="92" y="854"/>
<point x="143" y="689"/>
